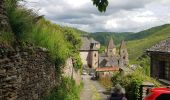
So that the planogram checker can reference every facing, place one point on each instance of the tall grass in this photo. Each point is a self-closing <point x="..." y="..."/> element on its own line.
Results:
<point x="20" y="18"/>
<point x="68" y="90"/>
<point x="55" y="39"/>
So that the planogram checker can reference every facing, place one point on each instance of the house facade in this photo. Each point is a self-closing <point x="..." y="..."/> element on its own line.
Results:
<point x="89" y="52"/>
<point x="160" y="61"/>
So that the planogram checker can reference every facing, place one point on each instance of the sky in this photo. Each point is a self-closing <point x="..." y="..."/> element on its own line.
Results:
<point x="121" y="15"/>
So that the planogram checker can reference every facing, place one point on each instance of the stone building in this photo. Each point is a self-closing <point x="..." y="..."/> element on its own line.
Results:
<point x="113" y="58"/>
<point x="123" y="55"/>
<point x="89" y="52"/>
<point x="160" y="61"/>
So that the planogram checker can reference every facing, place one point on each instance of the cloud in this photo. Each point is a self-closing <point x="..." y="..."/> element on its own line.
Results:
<point x="121" y="15"/>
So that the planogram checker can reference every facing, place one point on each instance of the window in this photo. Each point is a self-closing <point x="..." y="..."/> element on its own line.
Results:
<point x="95" y="55"/>
<point x="167" y="71"/>
<point x="164" y="70"/>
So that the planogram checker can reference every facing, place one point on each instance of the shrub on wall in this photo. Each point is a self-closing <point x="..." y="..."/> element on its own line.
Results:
<point x="77" y="63"/>
<point x="132" y="82"/>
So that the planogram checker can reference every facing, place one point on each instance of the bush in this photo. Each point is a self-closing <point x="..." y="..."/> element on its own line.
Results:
<point x="66" y="91"/>
<point x="77" y="61"/>
<point x="132" y="82"/>
<point x="106" y="82"/>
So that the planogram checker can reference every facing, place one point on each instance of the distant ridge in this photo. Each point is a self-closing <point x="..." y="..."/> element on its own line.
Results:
<point x="138" y="42"/>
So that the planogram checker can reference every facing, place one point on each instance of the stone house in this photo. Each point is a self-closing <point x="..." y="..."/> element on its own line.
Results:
<point x="160" y="61"/>
<point x="89" y="52"/>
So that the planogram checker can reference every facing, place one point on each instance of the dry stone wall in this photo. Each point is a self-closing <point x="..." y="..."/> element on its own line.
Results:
<point x="25" y="73"/>
<point x="69" y="71"/>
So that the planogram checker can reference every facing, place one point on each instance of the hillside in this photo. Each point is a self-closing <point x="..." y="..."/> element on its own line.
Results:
<point x="146" y="33"/>
<point x="136" y="42"/>
<point x="103" y="37"/>
<point x="138" y="46"/>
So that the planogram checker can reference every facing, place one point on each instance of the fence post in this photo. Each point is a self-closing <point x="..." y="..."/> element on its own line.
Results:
<point x="144" y="89"/>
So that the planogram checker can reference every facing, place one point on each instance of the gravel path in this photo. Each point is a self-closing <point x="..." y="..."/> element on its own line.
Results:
<point x="92" y="90"/>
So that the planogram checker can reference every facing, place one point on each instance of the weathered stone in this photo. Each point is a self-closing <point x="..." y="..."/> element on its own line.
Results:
<point x="25" y="75"/>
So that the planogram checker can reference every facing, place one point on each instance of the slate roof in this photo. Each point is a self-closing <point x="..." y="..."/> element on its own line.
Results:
<point x="107" y="61"/>
<point x="123" y="45"/>
<point x="93" y="41"/>
<point x="163" y="46"/>
<point x="86" y="43"/>
<point x="111" y="44"/>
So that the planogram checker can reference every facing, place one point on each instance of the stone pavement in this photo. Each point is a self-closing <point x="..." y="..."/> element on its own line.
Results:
<point x="88" y="90"/>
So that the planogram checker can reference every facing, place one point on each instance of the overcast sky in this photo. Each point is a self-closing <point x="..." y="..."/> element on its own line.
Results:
<point x="121" y="15"/>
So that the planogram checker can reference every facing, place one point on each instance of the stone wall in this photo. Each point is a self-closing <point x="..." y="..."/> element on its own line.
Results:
<point x="25" y="73"/>
<point x="84" y="57"/>
<point x="69" y="71"/>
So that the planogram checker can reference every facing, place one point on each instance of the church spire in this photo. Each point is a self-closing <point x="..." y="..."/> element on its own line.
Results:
<point x="123" y="53"/>
<point x="111" y="44"/>
<point x="111" y="48"/>
<point x="122" y="45"/>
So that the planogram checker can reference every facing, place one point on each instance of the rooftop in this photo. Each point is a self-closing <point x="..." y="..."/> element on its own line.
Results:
<point x="111" y="44"/>
<point x="163" y="46"/>
<point x="104" y="69"/>
<point x="86" y="43"/>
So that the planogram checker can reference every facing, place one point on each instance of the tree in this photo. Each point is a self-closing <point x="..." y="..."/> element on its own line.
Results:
<point x="101" y="4"/>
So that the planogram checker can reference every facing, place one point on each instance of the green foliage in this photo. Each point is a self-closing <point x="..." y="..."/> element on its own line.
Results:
<point x="102" y="49"/>
<point x="77" y="61"/>
<point x="61" y="42"/>
<point x="144" y="63"/>
<point x="104" y="37"/>
<point x="146" y="33"/>
<point x="101" y="4"/>
<point x="137" y="43"/>
<point x="67" y="90"/>
<point x="20" y="19"/>
<point x="132" y="82"/>
<point x="136" y="48"/>
<point x="6" y="38"/>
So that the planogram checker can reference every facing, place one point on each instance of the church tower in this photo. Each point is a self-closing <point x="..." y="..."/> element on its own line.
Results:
<point x="123" y="53"/>
<point x="111" y="48"/>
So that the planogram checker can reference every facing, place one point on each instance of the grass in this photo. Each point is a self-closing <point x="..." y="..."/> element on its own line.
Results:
<point x="132" y="82"/>
<point x="68" y="90"/>
<point x="136" y="48"/>
<point x="62" y="42"/>
<point x="106" y="82"/>
<point x="96" y="95"/>
<point x="6" y="38"/>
